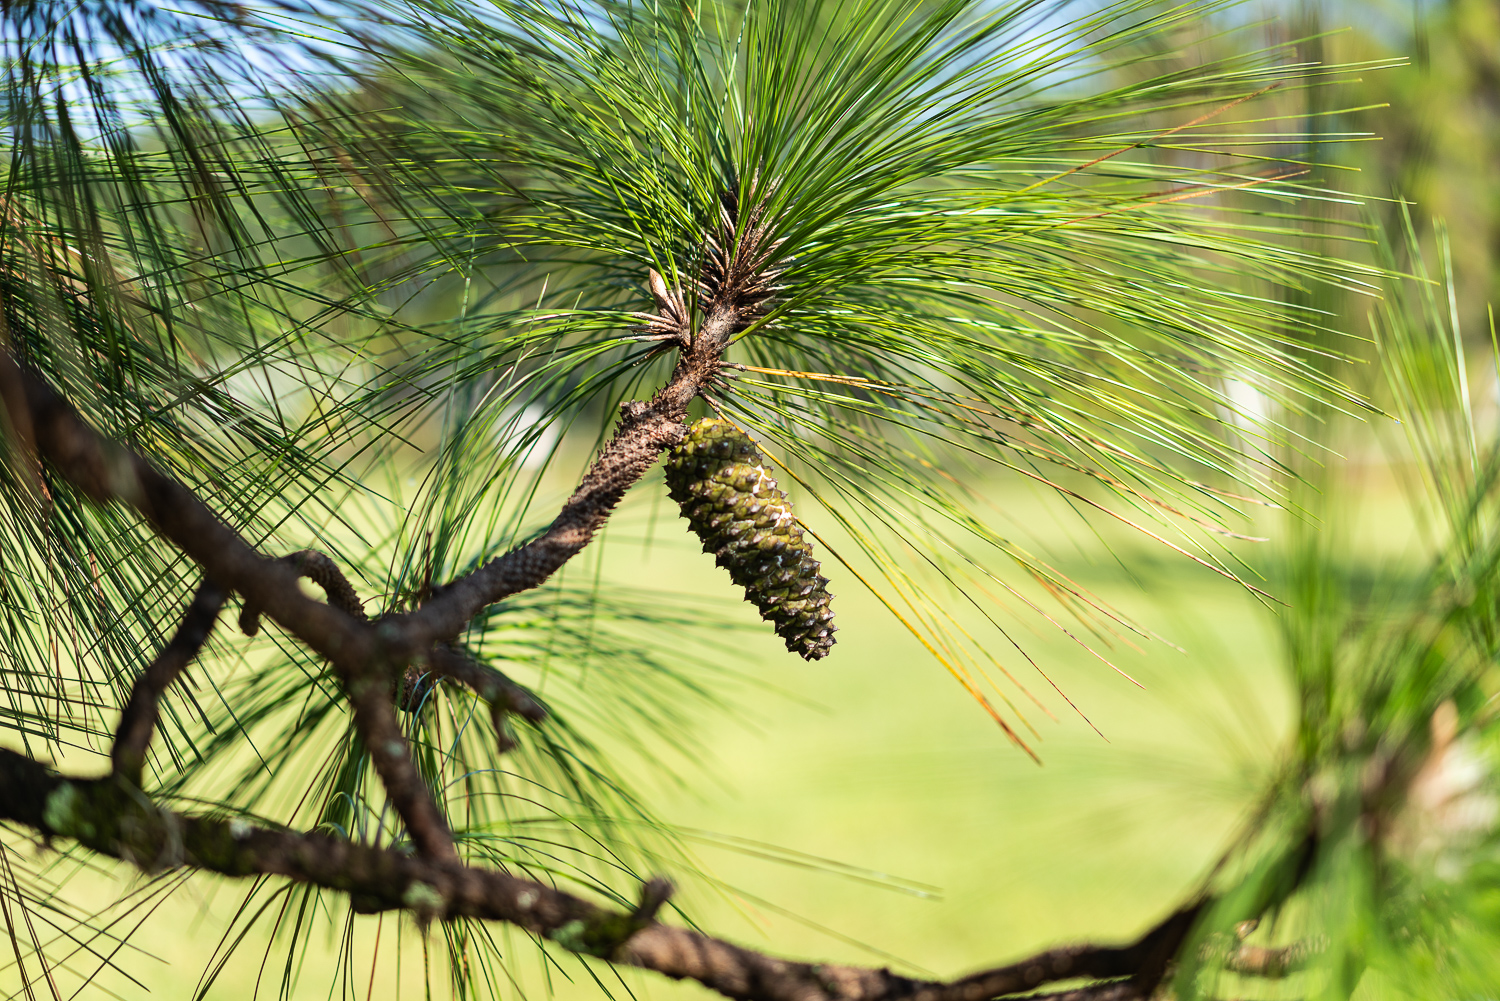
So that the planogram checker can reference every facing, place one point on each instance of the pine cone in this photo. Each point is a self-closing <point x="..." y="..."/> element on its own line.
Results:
<point x="719" y="478"/>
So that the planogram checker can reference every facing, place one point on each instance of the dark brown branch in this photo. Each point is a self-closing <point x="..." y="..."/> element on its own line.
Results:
<point x="138" y="720"/>
<point x="644" y="430"/>
<point x="375" y="716"/>
<point x="361" y="653"/>
<point x="487" y="682"/>
<point x="750" y="976"/>
<point x="107" y="472"/>
<point x="113" y="817"/>
<point x="503" y="695"/>
<point x="321" y="570"/>
<point x="654" y="895"/>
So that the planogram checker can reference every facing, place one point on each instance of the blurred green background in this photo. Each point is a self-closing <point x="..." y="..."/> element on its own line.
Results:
<point x="865" y="808"/>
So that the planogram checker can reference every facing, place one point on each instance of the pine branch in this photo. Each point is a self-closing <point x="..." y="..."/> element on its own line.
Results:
<point x="644" y="430"/>
<point x="113" y="817"/>
<point x="373" y="659"/>
<point x="735" y="287"/>
<point x="751" y="976"/>
<point x="359" y="651"/>
<point x="321" y="570"/>
<point x="503" y="695"/>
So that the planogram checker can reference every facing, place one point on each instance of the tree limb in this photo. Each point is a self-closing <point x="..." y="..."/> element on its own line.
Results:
<point x="138" y="720"/>
<point x="644" y="430"/>
<point x="503" y="695"/>
<point x="321" y="570"/>
<point x="113" y="817"/>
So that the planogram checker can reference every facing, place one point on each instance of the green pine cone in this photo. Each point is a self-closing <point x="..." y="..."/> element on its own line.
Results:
<point x="720" y="480"/>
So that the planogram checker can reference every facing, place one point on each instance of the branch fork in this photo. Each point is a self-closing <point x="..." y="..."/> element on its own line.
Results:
<point x="503" y="695"/>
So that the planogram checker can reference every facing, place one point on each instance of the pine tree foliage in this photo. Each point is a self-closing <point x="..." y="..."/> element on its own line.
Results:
<point x="292" y="255"/>
<point x="981" y="260"/>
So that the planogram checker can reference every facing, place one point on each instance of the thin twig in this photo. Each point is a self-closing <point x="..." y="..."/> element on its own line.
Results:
<point x="138" y="720"/>
<point x="502" y="694"/>
<point x="321" y="570"/>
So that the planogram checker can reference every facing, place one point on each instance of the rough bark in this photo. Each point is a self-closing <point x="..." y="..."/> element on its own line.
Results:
<point x="114" y="817"/>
